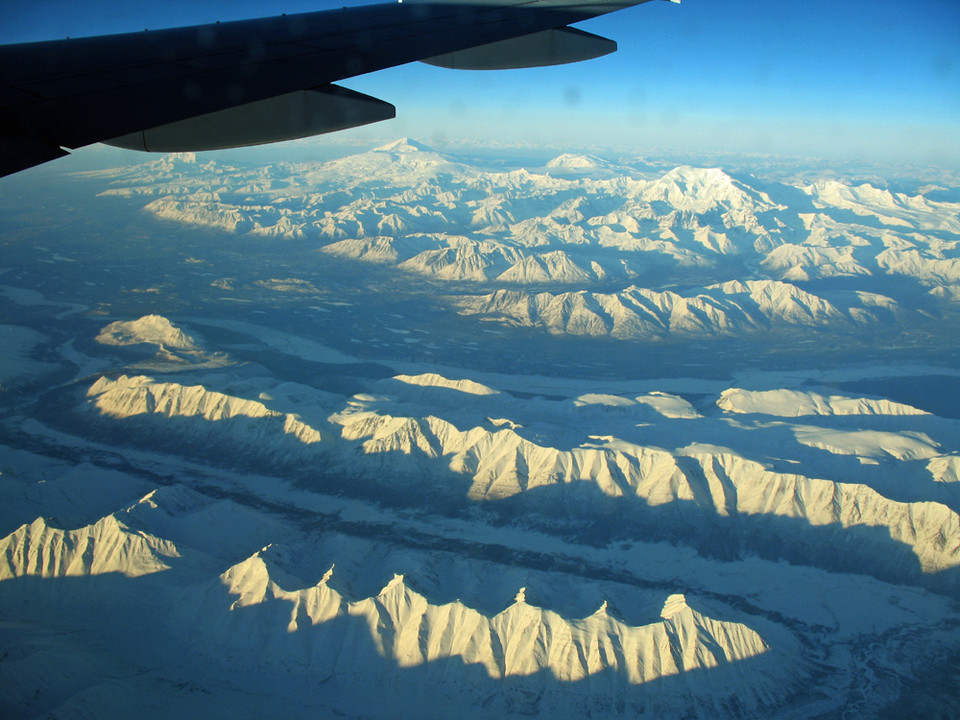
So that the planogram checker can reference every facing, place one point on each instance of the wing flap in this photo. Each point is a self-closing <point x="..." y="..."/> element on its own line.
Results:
<point x="556" y="46"/>
<point x="294" y="115"/>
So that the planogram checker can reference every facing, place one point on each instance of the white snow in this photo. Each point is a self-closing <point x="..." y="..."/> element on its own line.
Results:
<point x="405" y="204"/>
<point x="945" y="469"/>
<point x="869" y="444"/>
<point x="141" y="395"/>
<point x="670" y="406"/>
<point x="153" y="329"/>
<point x="434" y="380"/>
<point x="731" y="308"/>
<point x="796" y="403"/>
<point x="107" y="546"/>
<point x="15" y="362"/>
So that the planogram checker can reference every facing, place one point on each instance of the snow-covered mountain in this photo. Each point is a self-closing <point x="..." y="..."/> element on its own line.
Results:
<point x="396" y="643"/>
<point x="574" y="165"/>
<point x="152" y="329"/>
<point x="794" y="403"/>
<point x="329" y="445"/>
<point x="592" y="226"/>
<point x="733" y="308"/>
<point x="424" y="428"/>
<point x="107" y="546"/>
<point x="521" y="641"/>
<point x="647" y="573"/>
<point x="251" y="424"/>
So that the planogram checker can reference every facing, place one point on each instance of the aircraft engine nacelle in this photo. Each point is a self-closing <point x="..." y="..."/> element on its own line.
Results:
<point x="286" y="117"/>
<point x="549" y="47"/>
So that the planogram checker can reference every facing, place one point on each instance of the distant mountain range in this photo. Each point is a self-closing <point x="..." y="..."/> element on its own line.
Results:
<point x="566" y="244"/>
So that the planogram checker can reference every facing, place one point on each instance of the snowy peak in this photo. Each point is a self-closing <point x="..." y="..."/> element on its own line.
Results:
<point x="404" y="166"/>
<point x="396" y="204"/>
<point x="578" y="164"/>
<point x="656" y="403"/>
<point x="696" y="182"/>
<point x="674" y="605"/>
<point x="434" y="380"/>
<point x="107" y="546"/>
<point x="571" y="161"/>
<point x="731" y="308"/>
<point x="551" y="267"/>
<point x="697" y="178"/>
<point x="153" y="329"/>
<point x="175" y="349"/>
<point x="521" y="640"/>
<point x="585" y="168"/>
<point x="143" y="396"/>
<point x="505" y="458"/>
<point x="891" y="209"/>
<point x="173" y="161"/>
<point x="702" y="189"/>
<point x="178" y="165"/>
<point x="796" y="403"/>
<point x="188" y="158"/>
<point x="403" y="145"/>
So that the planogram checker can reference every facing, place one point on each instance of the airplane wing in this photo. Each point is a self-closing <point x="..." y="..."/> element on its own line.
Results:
<point x="254" y="81"/>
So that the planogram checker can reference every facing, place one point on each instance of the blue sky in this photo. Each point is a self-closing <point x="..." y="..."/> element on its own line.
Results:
<point x="858" y="79"/>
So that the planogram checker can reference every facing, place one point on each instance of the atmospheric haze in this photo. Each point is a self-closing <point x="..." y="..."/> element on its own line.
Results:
<point x="406" y="433"/>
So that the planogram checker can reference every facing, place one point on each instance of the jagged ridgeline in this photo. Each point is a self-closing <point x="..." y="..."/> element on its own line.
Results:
<point x="408" y="647"/>
<point x="594" y="466"/>
<point x="573" y="465"/>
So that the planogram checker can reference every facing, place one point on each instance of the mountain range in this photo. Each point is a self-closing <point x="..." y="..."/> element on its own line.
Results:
<point x="416" y="434"/>
<point x="543" y="244"/>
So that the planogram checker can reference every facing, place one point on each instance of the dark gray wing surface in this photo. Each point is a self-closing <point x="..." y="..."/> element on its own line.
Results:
<point x="74" y="92"/>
